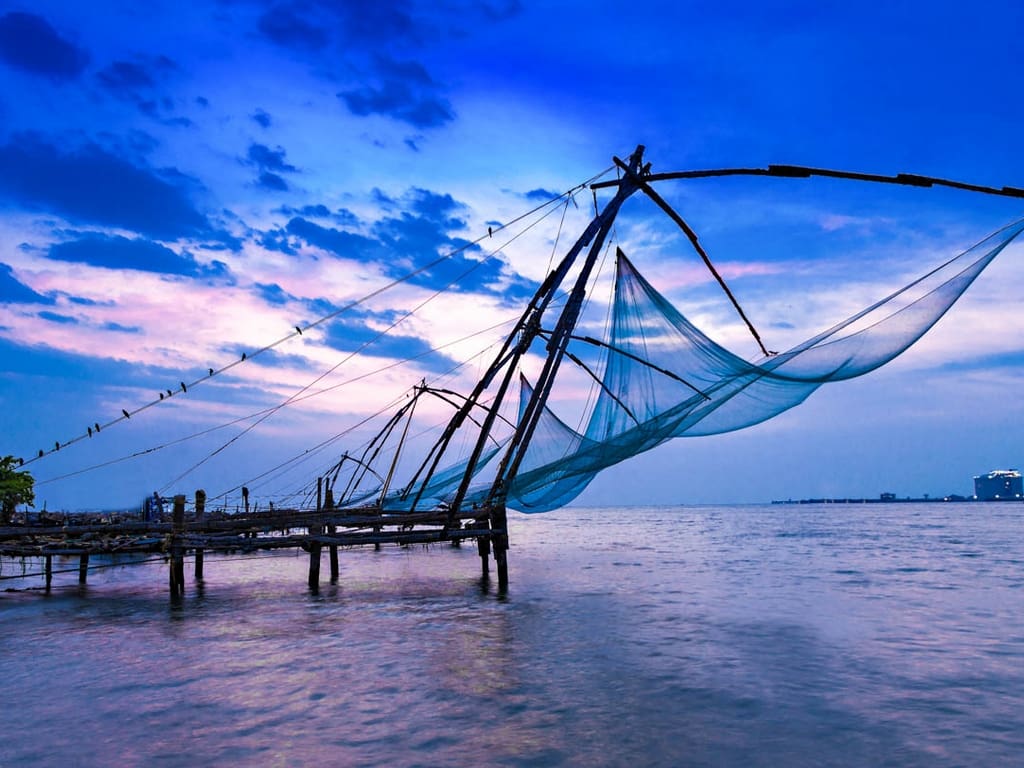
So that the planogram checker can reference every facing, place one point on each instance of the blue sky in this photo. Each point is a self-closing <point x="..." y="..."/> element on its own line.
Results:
<point x="183" y="184"/>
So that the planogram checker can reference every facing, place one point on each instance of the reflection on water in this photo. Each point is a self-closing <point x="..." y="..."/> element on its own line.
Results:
<point x="873" y="635"/>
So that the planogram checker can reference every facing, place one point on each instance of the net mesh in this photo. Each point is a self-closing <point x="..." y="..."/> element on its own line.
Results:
<point x="664" y="378"/>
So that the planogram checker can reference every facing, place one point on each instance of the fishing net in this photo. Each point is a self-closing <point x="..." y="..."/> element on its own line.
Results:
<point x="664" y="378"/>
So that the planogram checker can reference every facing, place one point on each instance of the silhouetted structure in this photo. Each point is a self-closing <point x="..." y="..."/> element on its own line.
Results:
<point x="999" y="485"/>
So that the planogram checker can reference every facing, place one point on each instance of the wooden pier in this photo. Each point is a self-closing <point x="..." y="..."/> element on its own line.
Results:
<point x="310" y="530"/>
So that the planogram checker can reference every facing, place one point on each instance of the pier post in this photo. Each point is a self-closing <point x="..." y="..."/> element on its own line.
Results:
<point x="177" y="575"/>
<point x="314" y="559"/>
<point x="200" y="519"/>
<point x="49" y="571"/>
<point x="499" y="524"/>
<point x="83" y="567"/>
<point x="329" y="505"/>
<point x="483" y="547"/>
<point x="334" y="555"/>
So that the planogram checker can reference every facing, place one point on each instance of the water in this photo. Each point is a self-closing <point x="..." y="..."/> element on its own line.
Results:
<point x="866" y="635"/>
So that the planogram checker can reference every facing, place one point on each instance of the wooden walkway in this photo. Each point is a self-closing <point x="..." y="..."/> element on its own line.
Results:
<point x="311" y="530"/>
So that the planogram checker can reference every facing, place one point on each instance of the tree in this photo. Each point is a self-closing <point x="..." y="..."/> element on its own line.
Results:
<point x="15" y="488"/>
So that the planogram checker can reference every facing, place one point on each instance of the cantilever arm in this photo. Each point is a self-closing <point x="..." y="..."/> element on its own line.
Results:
<point x="804" y="172"/>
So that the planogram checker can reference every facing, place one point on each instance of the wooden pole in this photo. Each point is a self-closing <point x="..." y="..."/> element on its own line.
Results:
<point x="329" y="504"/>
<point x="177" y="576"/>
<point x="83" y="567"/>
<point x="483" y="547"/>
<point x="334" y="556"/>
<point x="49" y="571"/>
<point x="200" y="519"/>
<point x="499" y="522"/>
<point x="314" y="559"/>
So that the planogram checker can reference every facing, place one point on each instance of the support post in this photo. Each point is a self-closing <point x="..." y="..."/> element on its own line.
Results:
<point x="334" y="556"/>
<point x="483" y="547"/>
<point x="200" y="519"/>
<point x="499" y="524"/>
<point x="314" y="559"/>
<point x="329" y="505"/>
<point x="83" y="567"/>
<point x="177" y="570"/>
<point x="49" y="571"/>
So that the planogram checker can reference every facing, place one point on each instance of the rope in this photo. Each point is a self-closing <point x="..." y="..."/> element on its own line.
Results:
<point x="357" y="351"/>
<point x="299" y="330"/>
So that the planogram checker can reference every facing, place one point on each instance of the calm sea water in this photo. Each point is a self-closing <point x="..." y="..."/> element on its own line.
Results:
<point x="866" y="635"/>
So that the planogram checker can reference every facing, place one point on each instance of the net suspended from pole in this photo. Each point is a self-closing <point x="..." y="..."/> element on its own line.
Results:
<point x="665" y="378"/>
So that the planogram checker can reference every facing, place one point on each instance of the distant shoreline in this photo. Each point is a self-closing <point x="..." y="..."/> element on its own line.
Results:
<point x="907" y="500"/>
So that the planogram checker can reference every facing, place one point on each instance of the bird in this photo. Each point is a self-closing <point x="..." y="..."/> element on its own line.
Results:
<point x="183" y="387"/>
<point x="169" y="393"/>
<point x="161" y="395"/>
<point x="40" y="453"/>
<point x="211" y="371"/>
<point x="490" y="232"/>
<point x="90" y="431"/>
<point x="243" y="355"/>
<point x="56" y="446"/>
<point x="299" y="330"/>
<point x="126" y="414"/>
<point x="97" y="425"/>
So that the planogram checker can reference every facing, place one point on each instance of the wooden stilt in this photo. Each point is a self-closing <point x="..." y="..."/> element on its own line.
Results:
<point x="499" y="523"/>
<point x="483" y="547"/>
<point x="83" y="567"/>
<point x="49" y="571"/>
<point x="328" y="503"/>
<point x="334" y="557"/>
<point x="200" y="518"/>
<point x="177" y="566"/>
<point x="314" y="559"/>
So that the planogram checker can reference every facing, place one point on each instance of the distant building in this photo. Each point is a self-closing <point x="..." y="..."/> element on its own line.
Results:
<point x="999" y="485"/>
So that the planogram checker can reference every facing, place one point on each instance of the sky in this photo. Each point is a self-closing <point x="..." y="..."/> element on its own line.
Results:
<point x="185" y="184"/>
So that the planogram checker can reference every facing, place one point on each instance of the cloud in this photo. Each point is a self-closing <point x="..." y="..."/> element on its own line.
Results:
<point x="116" y="252"/>
<point x="269" y="159"/>
<point x="276" y="240"/>
<point x="540" y="195"/>
<point x="272" y="164"/>
<point x="404" y="91"/>
<point x="352" y="331"/>
<point x="283" y="25"/>
<point x="125" y="77"/>
<point x="118" y="328"/>
<point x="91" y="185"/>
<point x="29" y="43"/>
<point x="272" y="293"/>
<point x="136" y="82"/>
<point x="272" y="181"/>
<point x="261" y="118"/>
<point x="400" y="244"/>
<point x="54" y="317"/>
<point x="346" y="244"/>
<point x="13" y="291"/>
